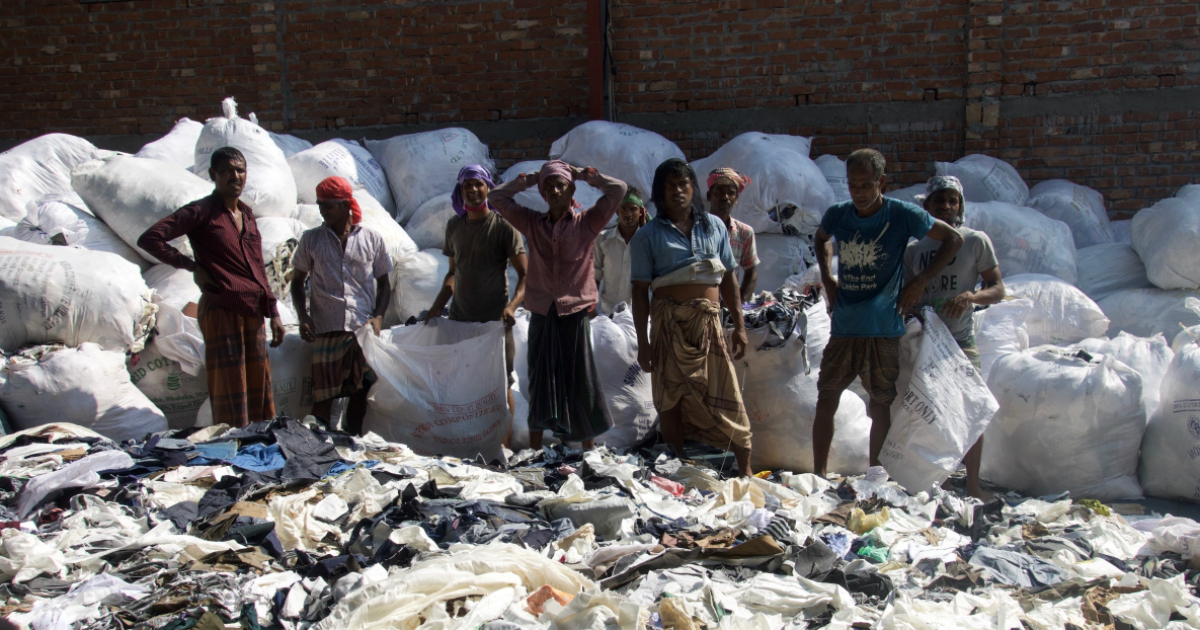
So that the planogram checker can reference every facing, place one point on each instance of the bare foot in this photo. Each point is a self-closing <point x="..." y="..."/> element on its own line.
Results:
<point x="979" y="493"/>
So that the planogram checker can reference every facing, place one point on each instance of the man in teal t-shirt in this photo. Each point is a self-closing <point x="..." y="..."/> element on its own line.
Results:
<point x="866" y="297"/>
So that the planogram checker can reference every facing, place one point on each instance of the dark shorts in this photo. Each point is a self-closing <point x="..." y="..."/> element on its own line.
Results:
<point x="970" y="349"/>
<point x="876" y="360"/>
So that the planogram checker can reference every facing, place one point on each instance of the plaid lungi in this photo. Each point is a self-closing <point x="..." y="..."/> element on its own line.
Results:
<point x="338" y="366"/>
<point x="238" y="368"/>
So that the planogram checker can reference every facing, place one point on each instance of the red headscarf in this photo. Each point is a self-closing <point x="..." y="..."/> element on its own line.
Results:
<point x="339" y="189"/>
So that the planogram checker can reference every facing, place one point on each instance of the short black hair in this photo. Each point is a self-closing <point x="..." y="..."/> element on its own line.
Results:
<point x="673" y="166"/>
<point x="224" y="155"/>
<point x="634" y="190"/>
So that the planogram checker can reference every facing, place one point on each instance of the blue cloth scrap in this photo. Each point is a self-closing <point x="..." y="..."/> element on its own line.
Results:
<point x="214" y="453"/>
<point x="342" y="467"/>
<point x="259" y="458"/>
<point x="838" y="542"/>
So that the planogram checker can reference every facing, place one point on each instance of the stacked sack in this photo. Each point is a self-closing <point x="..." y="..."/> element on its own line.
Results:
<point x="1087" y="364"/>
<point x="68" y="316"/>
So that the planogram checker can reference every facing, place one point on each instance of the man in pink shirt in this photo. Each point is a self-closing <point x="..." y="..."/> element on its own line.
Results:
<point x="565" y="394"/>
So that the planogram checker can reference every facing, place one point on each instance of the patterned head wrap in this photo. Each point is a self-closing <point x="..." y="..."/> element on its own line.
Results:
<point x="941" y="182"/>
<point x="470" y="171"/>
<point x="332" y="189"/>
<point x="735" y="178"/>
<point x="556" y="168"/>
<point x="945" y="182"/>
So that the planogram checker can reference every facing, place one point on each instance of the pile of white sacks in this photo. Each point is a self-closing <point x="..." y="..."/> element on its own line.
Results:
<point x="1087" y="354"/>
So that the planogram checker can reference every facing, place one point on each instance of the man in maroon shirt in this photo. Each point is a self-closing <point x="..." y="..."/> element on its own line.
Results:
<point x="565" y="395"/>
<point x="235" y="295"/>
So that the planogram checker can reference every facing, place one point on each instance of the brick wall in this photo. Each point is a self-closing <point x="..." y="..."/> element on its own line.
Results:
<point x="121" y="68"/>
<point x="681" y="56"/>
<point x="1099" y="91"/>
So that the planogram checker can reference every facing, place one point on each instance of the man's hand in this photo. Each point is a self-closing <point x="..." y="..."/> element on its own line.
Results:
<point x="509" y="315"/>
<point x="644" y="360"/>
<point x="308" y="328"/>
<point x="530" y="179"/>
<point x="911" y="295"/>
<point x="959" y="304"/>
<point x="432" y="315"/>
<point x="201" y="277"/>
<point x="738" y="342"/>
<point x="277" y="332"/>
<point x="376" y="324"/>
<point x="831" y="289"/>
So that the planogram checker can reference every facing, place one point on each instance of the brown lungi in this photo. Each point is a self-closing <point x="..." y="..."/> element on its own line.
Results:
<point x="692" y="369"/>
<point x="238" y="368"/>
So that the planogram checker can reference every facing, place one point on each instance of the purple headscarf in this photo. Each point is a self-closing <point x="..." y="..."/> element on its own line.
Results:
<point x="470" y="171"/>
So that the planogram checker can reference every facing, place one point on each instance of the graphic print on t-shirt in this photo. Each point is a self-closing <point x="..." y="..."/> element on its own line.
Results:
<point x="866" y="256"/>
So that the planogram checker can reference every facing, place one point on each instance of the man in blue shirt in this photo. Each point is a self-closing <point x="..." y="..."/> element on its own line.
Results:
<point x="866" y="298"/>
<point x="683" y="255"/>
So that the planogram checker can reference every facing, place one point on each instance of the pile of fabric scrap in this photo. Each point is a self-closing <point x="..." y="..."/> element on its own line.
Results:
<point x="285" y="524"/>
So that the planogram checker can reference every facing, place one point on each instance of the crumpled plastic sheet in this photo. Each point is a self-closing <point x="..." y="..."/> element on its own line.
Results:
<point x="560" y="539"/>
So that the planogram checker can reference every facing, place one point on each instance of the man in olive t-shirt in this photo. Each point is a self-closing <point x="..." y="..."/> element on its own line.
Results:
<point x="480" y="245"/>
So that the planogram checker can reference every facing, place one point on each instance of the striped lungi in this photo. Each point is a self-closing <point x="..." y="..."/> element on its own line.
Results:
<point x="338" y="366"/>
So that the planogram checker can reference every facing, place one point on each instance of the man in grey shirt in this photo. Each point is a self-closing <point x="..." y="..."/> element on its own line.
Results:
<point x="481" y="245"/>
<point x="952" y="292"/>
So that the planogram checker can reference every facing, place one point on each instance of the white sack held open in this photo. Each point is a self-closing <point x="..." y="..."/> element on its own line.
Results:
<point x="940" y="415"/>
<point x="51" y="294"/>
<point x="441" y="389"/>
